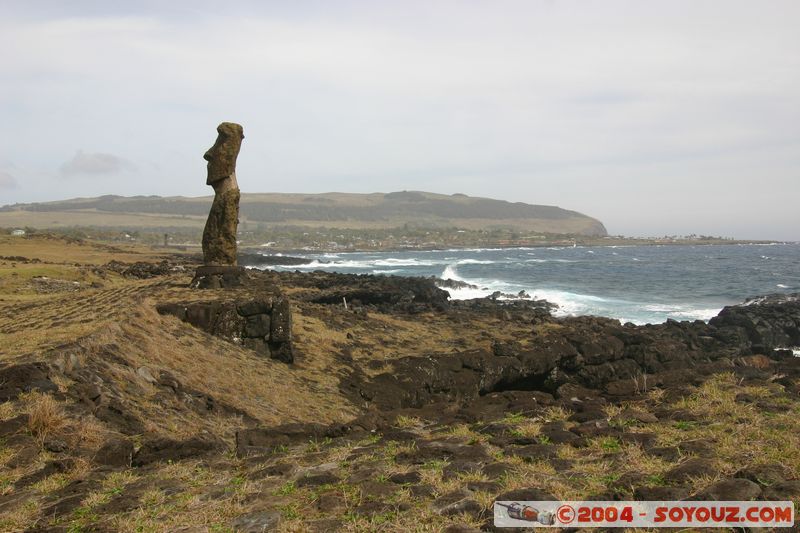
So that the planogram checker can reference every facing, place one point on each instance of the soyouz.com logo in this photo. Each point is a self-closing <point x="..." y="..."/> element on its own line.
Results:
<point x="696" y="514"/>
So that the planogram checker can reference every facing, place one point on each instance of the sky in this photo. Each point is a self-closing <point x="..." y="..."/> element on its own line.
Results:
<point x="663" y="117"/>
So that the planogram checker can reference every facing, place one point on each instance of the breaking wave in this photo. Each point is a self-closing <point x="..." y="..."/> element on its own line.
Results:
<point x="639" y="284"/>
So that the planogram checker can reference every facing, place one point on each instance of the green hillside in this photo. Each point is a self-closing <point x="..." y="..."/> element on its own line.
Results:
<point x="336" y="210"/>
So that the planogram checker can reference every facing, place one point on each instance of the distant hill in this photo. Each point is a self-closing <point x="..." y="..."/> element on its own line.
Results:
<point x="340" y="210"/>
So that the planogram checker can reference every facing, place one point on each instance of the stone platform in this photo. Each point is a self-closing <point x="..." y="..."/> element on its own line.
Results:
<point x="219" y="277"/>
<point x="260" y="322"/>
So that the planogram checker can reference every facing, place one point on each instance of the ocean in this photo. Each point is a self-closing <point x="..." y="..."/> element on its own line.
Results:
<point x="639" y="284"/>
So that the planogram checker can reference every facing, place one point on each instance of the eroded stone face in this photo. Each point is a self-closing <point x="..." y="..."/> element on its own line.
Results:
<point x="222" y="156"/>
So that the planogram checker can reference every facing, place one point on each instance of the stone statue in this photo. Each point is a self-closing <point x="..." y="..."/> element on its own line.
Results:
<point x="219" y="235"/>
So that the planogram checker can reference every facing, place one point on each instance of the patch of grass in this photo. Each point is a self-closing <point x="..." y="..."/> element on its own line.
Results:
<point x="52" y="483"/>
<point x="46" y="417"/>
<point x="528" y="428"/>
<point x="152" y="497"/>
<point x="555" y="414"/>
<point x="317" y="445"/>
<point x="84" y="513"/>
<point x="622" y="423"/>
<point x="383" y="518"/>
<point x="398" y="448"/>
<point x="435" y="464"/>
<point x="610" y="445"/>
<point x="75" y="527"/>
<point x="461" y="430"/>
<point x="19" y="518"/>
<point x="514" y="418"/>
<point x="62" y="382"/>
<point x="609" y="479"/>
<point x="350" y="493"/>
<point x="117" y="480"/>
<point x="390" y="449"/>
<point x="7" y="410"/>
<point x="6" y="484"/>
<point x="407" y="422"/>
<point x="546" y="328"/>
<point x="290" y="511"/>
<point x="656" y="395"/>
<point x="237" y="484"/>
<point x="286" y="489"/>
<point x="97" y="498"/>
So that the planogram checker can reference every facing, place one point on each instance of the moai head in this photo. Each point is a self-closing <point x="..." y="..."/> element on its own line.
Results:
<point x="222" y="156"/>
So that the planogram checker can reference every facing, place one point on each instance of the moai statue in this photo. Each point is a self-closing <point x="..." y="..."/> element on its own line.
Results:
<point x="219" y="236"/>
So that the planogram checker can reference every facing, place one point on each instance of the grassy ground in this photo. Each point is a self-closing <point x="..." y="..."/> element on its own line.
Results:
<point x="361" y="494"/>
<point x="106" y="326"/>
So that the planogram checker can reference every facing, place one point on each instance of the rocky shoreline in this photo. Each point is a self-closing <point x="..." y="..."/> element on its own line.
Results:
<point x="593" y="354"/>
<point x="588" y="365"/>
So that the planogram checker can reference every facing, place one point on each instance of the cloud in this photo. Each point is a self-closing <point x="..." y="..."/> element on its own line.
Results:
<point x="95" y="164"/>
<point x="618" y="109"/>
<point x="7" y="181"/>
